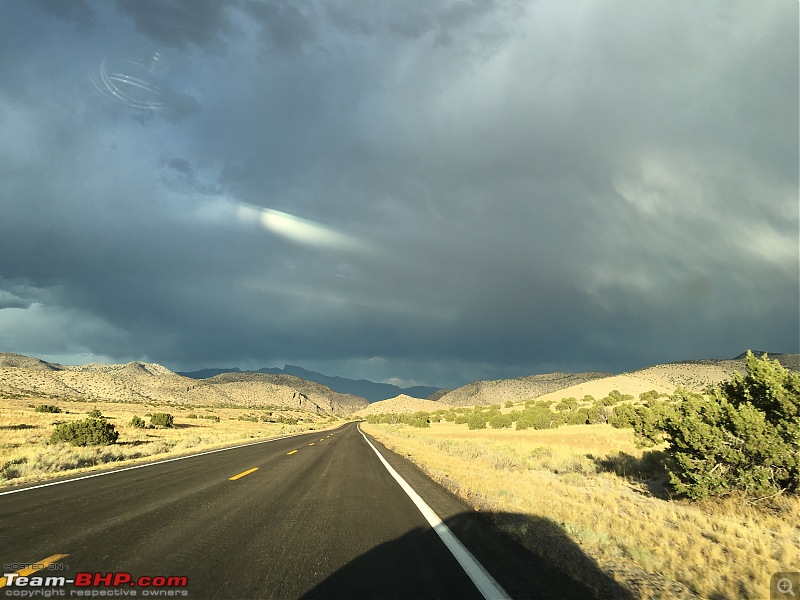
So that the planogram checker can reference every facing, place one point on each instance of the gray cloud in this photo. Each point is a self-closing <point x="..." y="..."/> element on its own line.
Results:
<point x="442" y="191"/>
<point x="180" y="23"/>
<point x="78" y="11"/>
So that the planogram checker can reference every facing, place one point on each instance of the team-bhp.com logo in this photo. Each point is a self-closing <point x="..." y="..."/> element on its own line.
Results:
<point x="95" y="585"/>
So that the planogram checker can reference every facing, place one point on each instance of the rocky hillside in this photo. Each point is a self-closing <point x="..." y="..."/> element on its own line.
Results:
<point x="7" y="359"/>
<point x="139" y="382"/>
<point x="309" y="394"/>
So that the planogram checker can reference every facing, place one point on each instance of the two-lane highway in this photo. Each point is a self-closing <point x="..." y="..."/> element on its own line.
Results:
<point x="314" y="515"/>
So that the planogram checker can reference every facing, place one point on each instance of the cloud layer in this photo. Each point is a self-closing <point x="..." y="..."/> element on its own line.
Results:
<point x="431" y="192"/>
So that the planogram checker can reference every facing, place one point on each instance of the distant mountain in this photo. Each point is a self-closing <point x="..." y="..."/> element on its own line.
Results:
<point x="372" y="391"/>
<point x="207" y="373"/>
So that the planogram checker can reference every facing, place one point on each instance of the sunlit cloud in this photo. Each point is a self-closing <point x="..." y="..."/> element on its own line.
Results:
<point x="299" y="230"/>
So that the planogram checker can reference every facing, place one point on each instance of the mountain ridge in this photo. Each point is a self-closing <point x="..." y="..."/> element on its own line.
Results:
<point x="151" y="383"/>
<point x="371" y="390"/>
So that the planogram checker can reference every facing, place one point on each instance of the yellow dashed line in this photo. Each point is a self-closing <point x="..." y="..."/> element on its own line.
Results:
<point x="292" y="452"/>
<point x="311" y="444"/>
<point x="38" y="566"/>
<point x="235" y="477"/>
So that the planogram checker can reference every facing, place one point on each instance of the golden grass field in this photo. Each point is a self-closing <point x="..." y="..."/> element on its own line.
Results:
<point x="654" y="546"/>
<point x="26" y="457"/>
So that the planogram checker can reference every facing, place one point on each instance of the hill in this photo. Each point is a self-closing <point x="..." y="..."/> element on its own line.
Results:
<point x="501" y="390"/>
<point x="363" y="388"/>
<point x="151" y="383"/>
<point x="399" y="404"/>
<point x="8" y="359"/>
<point x="695" y="375"/>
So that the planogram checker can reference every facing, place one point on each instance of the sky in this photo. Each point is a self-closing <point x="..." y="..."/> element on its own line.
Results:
<point x="419" y="192"/>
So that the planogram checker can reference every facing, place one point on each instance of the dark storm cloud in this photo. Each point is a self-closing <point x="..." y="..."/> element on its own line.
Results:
<point x="78" y="11"/>
<point x="429" y="191"/>
<point x="179" y="23"/>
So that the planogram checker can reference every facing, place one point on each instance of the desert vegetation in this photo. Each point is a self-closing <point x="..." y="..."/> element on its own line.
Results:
<point x="674" y="495"/>
<point x="37" y="444"/>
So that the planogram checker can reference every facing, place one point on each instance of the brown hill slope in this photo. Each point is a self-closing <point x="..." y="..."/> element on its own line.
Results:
<point x="501" y="390"/>
<point x="400" y="404"/>
<point x="695" y="375"/>
<point x="8" y="359"/>
<point x="154" y="384"/>
<point x="308" y="393"/>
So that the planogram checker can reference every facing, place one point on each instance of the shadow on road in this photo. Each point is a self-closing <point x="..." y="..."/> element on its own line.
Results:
<point x="399" y="567"/>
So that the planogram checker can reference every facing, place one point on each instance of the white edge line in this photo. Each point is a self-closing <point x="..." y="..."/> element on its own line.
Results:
<point x="151" y="464"/>
<point x="485" y="583"/>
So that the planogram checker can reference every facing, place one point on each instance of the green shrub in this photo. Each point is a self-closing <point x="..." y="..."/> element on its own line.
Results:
<point x="509" y="404"/>
<point x="138" y="422"/>
<point x="651" y="419"/>
<point x="567" y="404"/>
<point x="745" y="437"/>
<point x="477" y="421"/>
<point x="650" y="395"/>
<point x="47" y="408"/>
<point x="623" y="415"/>
<point x="417" y="421"/>
<point x="537" y="417"/>
<point x="95" y="414"/>
<point x="89" y="432"/>
<point x="500" y="421"/>
<point x="161" y="419"/>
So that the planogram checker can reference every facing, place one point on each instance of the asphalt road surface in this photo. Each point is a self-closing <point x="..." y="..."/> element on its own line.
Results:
<point x="311" y="516"/>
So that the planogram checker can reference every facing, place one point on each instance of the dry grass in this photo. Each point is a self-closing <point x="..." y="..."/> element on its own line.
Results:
<point x="715" y="549"/>
<point x="26" y="456"/>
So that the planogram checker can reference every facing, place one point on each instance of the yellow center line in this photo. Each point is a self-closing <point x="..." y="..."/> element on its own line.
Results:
<point x="240" y="475"/>
<point x="322" y="439"/>
<point x="38" y="566"/>
<point x="311" y="444"/>
<point x="290" y="453"/>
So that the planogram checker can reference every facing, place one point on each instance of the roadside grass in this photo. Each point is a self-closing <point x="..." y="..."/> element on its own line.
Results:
<point x="608" y="497"/>
<point x="26" y="456"/>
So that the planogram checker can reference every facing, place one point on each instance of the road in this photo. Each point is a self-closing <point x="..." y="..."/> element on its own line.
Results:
<point x="311" y="516"/>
